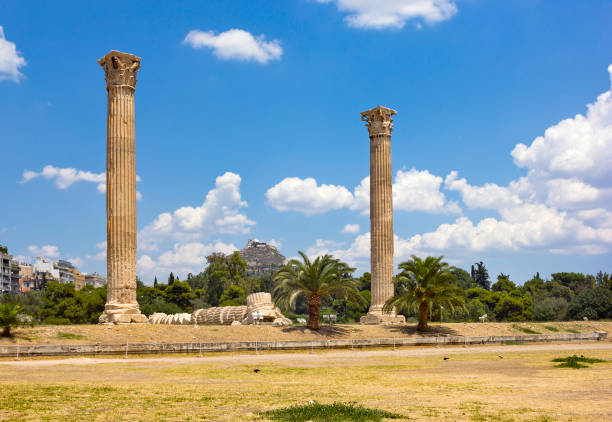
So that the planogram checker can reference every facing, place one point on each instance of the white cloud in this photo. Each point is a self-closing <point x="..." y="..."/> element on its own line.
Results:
<point x="489" y="196"/>
<point x="47" y="251"/>
<point x="413" y="190"/>
<point x="183" y="258"/>
<point x="236" y="44"/>
<point x="10" y="59"/>
<point x="220" y="213"/>
<point x="101" y="254"/>
<point x="578" y="147"/>
<point x="66" y="177"/>
<point x="416" y="190"/>
<point x="307" y="197"/>
<point x="568" y="192"/>
<point x="384" y="14"/>
<point x="351" y="228"/>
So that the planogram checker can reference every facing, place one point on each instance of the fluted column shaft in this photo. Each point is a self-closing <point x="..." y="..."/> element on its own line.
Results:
<point x="380" y="123"/>
<point x="381" y="221"/>
<point x="121" y="196"/>
<point x="121" y="305"/>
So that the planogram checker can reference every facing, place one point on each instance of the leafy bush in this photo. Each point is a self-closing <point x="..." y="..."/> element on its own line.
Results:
<point x="9" y="317"/>
<point x="550" y="309"/>
<point x="591" y="303"/>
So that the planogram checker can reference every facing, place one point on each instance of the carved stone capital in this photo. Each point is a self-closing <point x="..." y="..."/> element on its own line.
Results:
<point x="379" y="120"/>
<point x="120" y="69"/>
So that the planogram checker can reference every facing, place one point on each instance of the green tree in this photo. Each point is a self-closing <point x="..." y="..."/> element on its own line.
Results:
<point x="180" y="293"/>
<point x="429" y="284"/>
<point x="322" y="278"/>
<point x="171" y="278"/>
<point x="503" y="284"/>
<point x="464" y="279"/>
<point x="550" y="309"/>
<point x="481" y="276"/>
<point x="233" y="296"/>
<point x="8" y="317"/>
<point x="592" y="303"/>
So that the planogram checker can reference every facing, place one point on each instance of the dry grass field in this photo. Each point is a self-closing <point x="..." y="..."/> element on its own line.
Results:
<point x="473" y="384"/>
<point x="75" y="334"/>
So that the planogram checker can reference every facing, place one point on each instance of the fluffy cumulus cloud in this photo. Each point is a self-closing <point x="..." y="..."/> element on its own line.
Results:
<point x="560" y="206"/>
<point x="307" y="197"/>
<point x="413" y="190"/>
<point x="236" y="44"/>
<point x="46" y="251"/>
<point x="575" y="147"/>
<point x="184" y="258"/>
<point x="351" y="228"/>
<point x="10" y="59"/>
<point x="220" y="213"/>
<point x="66" y="177"/>
<point x="384" y="14"/>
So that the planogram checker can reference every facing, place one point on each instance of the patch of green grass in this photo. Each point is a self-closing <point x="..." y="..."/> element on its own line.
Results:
<point x="336" y="412"/>
<point x="571" y="330"/>
<point x="70" y="336"/>
<point x="575" y="362"/>
<point x="551" y="328"/>
<point x="525" y="330"/>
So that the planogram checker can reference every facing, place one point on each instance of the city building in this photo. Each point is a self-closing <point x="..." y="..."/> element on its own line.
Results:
<point x="95" y="280"/>
<point x="9" y="273"/>
<point x="43" y="265"/>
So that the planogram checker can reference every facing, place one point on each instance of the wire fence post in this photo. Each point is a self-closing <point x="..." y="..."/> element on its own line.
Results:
<point x="256" y="351"/>
<point x="127" y="345"/>
<point x="200" y="347"/>
<point x="17" y="358"/>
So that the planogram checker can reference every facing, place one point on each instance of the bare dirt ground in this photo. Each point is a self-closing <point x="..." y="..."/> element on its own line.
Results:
<point x="483" y="383"/>
<point x="145" y="333"/>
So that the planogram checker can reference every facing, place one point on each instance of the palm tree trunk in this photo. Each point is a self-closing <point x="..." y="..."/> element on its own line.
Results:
<point x="314" y="311"/>
<point x="423" y="311"/>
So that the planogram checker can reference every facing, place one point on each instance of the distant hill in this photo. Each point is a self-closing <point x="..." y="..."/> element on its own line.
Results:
<point x="261" y="258"/>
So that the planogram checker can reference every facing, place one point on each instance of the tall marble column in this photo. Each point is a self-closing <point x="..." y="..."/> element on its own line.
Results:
<point x="380" y="123"/>
<point x="121" y="305"/>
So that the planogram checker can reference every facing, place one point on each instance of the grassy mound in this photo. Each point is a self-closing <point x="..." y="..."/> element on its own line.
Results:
<point x="575" y="362"/>
<point x="336" y="412"/>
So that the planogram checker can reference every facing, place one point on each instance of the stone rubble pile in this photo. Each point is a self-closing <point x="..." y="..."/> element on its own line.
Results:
<point x="259" y="309"/>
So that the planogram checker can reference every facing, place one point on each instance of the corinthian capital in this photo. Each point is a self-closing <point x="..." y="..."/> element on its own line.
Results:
<point x="379" y="120"/>
<point x="120" y="69"/>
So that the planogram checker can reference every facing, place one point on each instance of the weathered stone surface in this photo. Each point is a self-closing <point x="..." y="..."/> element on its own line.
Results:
<point x="380" y="123"/>
<point x="121" y="305"/>
<point x="229" y="315"/>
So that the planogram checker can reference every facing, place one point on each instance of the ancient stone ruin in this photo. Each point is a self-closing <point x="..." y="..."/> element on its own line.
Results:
<point x="259" y="306"/>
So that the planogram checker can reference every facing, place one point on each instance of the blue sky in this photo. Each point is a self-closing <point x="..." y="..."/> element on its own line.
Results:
<point x="247" y="126"/>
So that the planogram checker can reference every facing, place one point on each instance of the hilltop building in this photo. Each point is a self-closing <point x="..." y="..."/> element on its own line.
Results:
<point x="261" y="258"/>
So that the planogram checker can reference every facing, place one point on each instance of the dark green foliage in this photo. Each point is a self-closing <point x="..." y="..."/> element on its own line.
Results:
<point x="180" y="294"/>
<point x="8" y="317"/>
<point x="325" y="278"/>
<point x="336" y="412"/>
<point x="591" y="303"/>
<point x="464" y="279"/>
<point x="551" y="328"/>
<point x="575" y="362"/>
<point x="233" y="296"/>
<point x="426" y="285"/>
<point x="160" y="306"/>
<point x="550" y="309"/>
<point x="481" y="275"/>
<point x="63" y="304"/>
<point x="503" y="284"/>
<point x="512" y="309"/>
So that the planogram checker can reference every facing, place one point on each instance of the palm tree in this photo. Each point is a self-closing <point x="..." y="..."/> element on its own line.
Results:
<point x="427" y="284"/>
<point x="8" y="317"/>
<point x="321" y="278"/>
